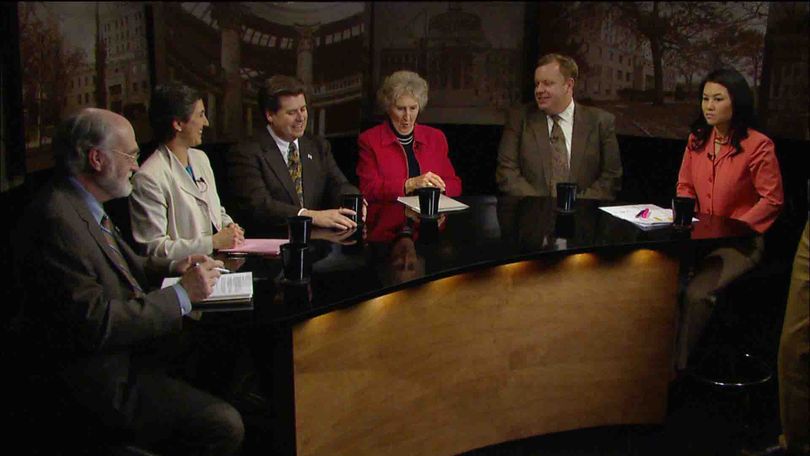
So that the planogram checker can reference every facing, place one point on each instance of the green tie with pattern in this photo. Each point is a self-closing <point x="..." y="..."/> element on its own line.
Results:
<point x="294" y="165"/>
<point x="559" y="156"/>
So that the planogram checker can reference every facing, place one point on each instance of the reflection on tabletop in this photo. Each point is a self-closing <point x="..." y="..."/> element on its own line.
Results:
<point x="401" y="248"/>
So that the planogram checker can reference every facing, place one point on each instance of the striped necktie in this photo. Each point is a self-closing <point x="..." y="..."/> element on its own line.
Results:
<point x="108" y="230"/>
<point x="559" y="156"/>
<point x="294" y="165"/>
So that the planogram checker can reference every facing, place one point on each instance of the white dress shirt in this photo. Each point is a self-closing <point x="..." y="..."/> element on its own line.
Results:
<point x="283" y="146"/>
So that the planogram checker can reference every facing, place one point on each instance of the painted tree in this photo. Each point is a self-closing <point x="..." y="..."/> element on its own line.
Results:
<point x="684" y="28"/>
<point x="47" y="62"/>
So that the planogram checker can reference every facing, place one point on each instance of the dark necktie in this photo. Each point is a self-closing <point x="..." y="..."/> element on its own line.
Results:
<point x="108" y="229"/>
<point x="559" y="156"/>
<point x="294" y="165"/>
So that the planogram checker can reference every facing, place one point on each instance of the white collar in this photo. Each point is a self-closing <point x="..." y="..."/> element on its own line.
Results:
<point x="567" y="114"/>
<point x="283" y="146"/>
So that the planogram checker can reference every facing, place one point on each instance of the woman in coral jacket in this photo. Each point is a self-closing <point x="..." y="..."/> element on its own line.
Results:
<point x="400" y="156"/>
<point x="731" y="170"/>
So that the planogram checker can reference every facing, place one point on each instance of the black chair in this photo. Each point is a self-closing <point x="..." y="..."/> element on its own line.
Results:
<point x="736" y="356"/>
<point x="729" y="361"/>
<point x="742" y="343"/>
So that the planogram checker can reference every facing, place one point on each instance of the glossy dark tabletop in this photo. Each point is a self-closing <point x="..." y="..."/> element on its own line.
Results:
<point x="400" y="250"/>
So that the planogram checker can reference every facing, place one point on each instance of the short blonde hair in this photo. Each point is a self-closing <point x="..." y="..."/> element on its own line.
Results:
<point x="568" y="67"/>
<point x="401" y="83"/>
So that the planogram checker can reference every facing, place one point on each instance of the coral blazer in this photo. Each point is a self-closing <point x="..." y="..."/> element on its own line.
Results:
<point x="744" y="185"/>
<point x="382" y="167"/>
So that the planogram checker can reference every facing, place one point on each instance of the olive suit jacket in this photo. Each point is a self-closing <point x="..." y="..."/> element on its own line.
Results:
<point x="524" y="154"/>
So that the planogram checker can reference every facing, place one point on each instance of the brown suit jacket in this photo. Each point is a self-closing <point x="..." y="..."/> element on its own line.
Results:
<point x="261" y="185"/>
<point x="79" y="315"/>
<point x="524" y="155"/>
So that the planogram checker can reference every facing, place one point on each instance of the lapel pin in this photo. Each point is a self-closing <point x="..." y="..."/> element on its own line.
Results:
<point x="309" y="156"/>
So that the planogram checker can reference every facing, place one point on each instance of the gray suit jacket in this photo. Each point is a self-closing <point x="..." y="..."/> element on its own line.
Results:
<point x="261" y="185"/>
<point x="524" y="155"/>
<point x="79" y="313"/>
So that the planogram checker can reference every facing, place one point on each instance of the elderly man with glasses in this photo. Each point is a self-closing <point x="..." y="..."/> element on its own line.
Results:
<point x="92" y="324"/>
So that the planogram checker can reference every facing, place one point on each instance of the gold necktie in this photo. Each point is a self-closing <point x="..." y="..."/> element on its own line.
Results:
<point x="294" y="165"/>
<point x="559" y="156"/>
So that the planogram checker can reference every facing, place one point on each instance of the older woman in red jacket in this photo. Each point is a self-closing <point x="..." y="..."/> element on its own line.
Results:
<point x="400" y="156"/>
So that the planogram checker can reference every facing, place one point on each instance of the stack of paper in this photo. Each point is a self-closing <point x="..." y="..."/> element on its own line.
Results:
<point x="230" y="287"/>
<point x="645" y="216"/>
<point x="257" y="246"/>
<point x="446" y="204"/>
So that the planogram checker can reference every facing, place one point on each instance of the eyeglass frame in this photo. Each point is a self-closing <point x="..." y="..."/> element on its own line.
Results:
<point x="132" y="157"/>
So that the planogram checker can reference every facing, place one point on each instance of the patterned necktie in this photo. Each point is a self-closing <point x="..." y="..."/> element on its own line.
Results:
<point x="107" y="229"/>
<point x="559" y="156"/>
<point x="294" y="165"/>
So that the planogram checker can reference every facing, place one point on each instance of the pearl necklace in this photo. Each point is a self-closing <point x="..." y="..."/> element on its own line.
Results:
<point x="720" y="139"/>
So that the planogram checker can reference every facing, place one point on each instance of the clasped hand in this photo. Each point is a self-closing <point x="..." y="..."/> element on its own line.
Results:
<point x="425" y="180"/>
<point x="228" y="237"/>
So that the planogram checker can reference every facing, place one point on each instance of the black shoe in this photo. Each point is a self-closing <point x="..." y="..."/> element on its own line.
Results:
<point x="247" y="395"/>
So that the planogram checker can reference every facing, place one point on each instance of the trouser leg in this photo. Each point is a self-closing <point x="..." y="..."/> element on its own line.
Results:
<point x="793" y="355"/>
<point x="712" y="274"/>
<point x="174" y="417"/>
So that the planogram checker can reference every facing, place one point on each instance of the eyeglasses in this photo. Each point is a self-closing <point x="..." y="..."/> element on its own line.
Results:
<point x="134" y="157"/>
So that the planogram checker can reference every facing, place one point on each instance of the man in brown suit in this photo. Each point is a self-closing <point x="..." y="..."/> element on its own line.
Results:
<point x="280" y="172"/>
<point x="88" y="317"/>
<point x="556" y="140"/>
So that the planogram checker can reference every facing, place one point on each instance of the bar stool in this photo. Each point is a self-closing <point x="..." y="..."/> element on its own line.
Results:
<point x="727" y="364"/>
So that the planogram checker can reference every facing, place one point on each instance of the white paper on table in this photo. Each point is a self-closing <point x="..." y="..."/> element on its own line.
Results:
<point x="230" y="287"/>
<point x="446" y="204"/>
<point x="658" y="216"/>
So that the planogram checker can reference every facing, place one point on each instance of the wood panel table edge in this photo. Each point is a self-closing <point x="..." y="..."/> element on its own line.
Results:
<point x="554" y="343"/>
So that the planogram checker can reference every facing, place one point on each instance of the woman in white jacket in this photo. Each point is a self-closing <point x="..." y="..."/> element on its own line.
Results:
<point x="174" y="206"/>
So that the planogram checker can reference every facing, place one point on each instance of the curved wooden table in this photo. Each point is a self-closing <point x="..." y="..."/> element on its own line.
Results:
<point x="485" y="330"/>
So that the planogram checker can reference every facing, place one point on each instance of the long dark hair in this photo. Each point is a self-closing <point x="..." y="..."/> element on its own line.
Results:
<point x="742" y="109"/>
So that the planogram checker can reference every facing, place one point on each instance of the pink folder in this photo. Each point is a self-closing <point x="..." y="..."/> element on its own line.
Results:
<point x="257" y="246"/>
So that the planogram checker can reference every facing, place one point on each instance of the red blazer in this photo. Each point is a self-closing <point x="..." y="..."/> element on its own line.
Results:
<point x="745" y="185"/>
<point x="382" y="167"/>
<point x="385" y="221"/>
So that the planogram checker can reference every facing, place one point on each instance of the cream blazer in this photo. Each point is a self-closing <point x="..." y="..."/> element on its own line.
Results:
<point x="172" y="216"/>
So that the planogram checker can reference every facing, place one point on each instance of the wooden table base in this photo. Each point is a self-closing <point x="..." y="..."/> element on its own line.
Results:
<point x="491" y="356"/>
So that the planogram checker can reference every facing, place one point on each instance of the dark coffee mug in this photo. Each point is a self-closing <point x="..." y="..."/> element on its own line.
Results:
<point x="564" y="226"/>
<point x="296" y="262"/>
<point x="429" y="201"/>
<point x="683" y="208"/>
<point x="299" y="229"/>
<point x="354" y="202"/>
<point x="566" y="196"/>
<point x="297" y="295"/>
<point x="428" y="230"/>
